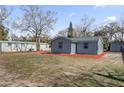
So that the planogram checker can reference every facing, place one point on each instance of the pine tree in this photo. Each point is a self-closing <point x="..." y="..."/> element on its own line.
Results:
<point x="70" y="30"/>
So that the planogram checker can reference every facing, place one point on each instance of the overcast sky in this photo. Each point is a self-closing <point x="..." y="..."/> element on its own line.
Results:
<point x="65" y="14"/>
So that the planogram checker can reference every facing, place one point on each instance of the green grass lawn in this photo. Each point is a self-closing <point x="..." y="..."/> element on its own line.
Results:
<point x="61" y="71"/>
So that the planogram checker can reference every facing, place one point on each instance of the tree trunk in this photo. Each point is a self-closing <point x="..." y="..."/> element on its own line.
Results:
<point x="37" y="43"/>
<point x="122" y="36"/>
<point x="122" y="42"/>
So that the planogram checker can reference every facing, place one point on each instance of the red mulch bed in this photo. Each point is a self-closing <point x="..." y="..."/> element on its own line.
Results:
<point x="74" y="55"/>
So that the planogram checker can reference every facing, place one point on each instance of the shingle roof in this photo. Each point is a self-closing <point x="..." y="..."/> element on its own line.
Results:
<point x="87" y="39"/>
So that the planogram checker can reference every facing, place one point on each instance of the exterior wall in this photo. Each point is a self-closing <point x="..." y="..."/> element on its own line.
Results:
<point x="16" y="46"/>
<point x="100" y="47"/>
<point x="44" y="46"/>
<point x="92" y="48"/>
<point x="123" y="47"/>
<point x="66" y="46"/>
<point x="115" y="47"/>
<point x="27" y="47"/>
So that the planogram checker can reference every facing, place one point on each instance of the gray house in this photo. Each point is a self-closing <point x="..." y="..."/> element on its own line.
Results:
<point x="85" y="45"/>
<point x="116" y="46"/>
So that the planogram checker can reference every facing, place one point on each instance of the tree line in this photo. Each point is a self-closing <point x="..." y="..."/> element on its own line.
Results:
<point x="33" y="21"/>
<point x="112" y="31"/>
<point x="37" y="23"/>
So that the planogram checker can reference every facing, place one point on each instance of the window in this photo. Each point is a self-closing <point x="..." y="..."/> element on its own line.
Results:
<point x="60" y="45"/>
<point x="85" y="45"/>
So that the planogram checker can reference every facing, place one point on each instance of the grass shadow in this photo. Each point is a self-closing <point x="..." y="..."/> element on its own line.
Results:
<point x="123" y="57"/>
<point x="110" y="76"/>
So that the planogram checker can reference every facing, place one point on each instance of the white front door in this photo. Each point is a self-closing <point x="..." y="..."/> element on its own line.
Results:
<point x="73" y="48"/>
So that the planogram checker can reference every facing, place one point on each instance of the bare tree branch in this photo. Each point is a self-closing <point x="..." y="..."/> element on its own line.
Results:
<point x="36" y="21"/>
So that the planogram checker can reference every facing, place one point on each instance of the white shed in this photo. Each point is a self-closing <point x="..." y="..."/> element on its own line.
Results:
<point x="14" y="46"/>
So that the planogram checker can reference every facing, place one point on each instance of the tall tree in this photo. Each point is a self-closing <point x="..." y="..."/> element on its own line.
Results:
<point x="70" y="31"/>
<point x="121" y="24"/>
<point x="46" y="38"/>
<point x="4" y="16"/>
<point x="36" y="21"/>
<point x="63" y="33"/>
<point x="84" y="26"/>
<point x="14" y="37"/>
<point x="112" y="29"/>
<point x="102" y="32"/>
<point x="108" y="32"/>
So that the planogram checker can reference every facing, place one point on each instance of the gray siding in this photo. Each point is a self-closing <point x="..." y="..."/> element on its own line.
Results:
<point x="100" y="47"/>
<point x="92" y="48"/>
<point x="115" y="47"/>
<point x="122" y="47"/>
<point x="66" y="46"/>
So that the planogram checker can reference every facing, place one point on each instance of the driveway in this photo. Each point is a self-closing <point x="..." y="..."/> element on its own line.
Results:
<point x="115" y="57"/>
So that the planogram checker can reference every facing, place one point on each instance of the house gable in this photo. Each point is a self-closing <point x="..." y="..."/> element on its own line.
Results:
<point x="61" y="45"/>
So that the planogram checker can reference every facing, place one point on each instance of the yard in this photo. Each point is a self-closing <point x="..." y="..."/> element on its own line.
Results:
<point x="34" y="69"/>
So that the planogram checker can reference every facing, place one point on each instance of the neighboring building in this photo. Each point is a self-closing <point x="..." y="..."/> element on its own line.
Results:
<point x="116" y="46"/>
<point x="85" y="45"/>
<point x="14" y="46"/>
